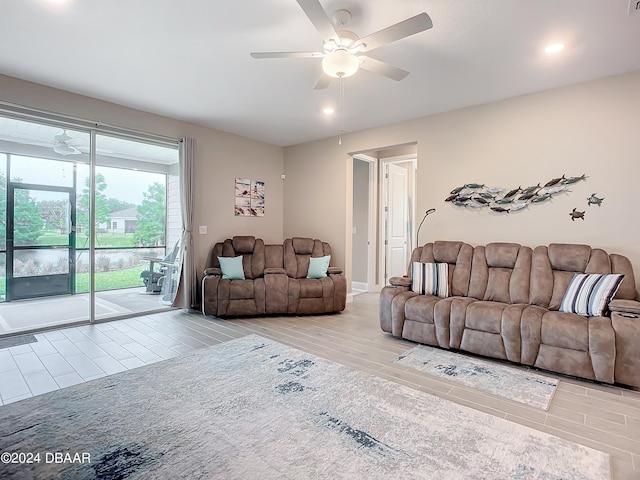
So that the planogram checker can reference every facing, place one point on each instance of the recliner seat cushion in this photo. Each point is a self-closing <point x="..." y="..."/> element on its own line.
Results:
<point x="565" y="330"/>
<point x="241" y="289"/>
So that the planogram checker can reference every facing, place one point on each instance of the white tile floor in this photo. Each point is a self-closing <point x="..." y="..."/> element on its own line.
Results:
<point x="70" y="356"/>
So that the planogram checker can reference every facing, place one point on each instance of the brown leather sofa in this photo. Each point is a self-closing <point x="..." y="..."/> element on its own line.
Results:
<point x="504" y="302"/>
<point x="275" y="280"/>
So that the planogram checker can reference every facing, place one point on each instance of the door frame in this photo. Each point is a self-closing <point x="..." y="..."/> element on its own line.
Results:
<point x="372" y="275"/>
<point x="411" y="159"/>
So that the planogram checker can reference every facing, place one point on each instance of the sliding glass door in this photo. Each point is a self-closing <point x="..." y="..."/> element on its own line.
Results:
<point x="88" y="224"/>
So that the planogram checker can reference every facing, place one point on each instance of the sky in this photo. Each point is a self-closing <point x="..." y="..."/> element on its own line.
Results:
<point x="126" y="185"/>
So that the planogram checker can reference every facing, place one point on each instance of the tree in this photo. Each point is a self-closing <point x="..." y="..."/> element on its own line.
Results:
<point x="103" y="214"/>
<point x="27" y="222"/>
<point x="55" y="214"/>
<point x="151" y="217"/>
<point x="115" y="204"/>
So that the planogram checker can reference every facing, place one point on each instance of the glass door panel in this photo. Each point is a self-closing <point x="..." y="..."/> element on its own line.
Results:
<point x="41" y="242"/>
<point x="132" y="225"/>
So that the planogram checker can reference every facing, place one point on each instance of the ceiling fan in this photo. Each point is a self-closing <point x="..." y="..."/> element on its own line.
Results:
<point x="342" y="51"/>
<point x="64" y="144"/>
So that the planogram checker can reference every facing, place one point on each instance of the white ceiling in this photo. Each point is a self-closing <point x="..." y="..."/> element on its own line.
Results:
<point x="190" y="59"/>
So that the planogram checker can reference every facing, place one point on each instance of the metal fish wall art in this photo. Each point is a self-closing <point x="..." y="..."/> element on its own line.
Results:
<point x="593" y="200"/>
<point x="576" y="214"/>
<point x="478" y="196"/>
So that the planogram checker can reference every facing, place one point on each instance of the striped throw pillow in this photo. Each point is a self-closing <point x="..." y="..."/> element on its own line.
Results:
<point x="590" y="294"/>
<point x="430" y="278"/>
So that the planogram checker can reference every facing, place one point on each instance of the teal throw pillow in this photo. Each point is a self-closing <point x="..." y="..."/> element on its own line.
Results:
<point x="318" y="266"/>
<point x="231" y="267"/>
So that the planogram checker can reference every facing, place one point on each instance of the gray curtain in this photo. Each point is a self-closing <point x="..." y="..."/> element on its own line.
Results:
<point x="187" y="286"/>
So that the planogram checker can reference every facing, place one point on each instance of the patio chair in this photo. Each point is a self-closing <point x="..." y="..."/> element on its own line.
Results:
<point x="153" y="278"/>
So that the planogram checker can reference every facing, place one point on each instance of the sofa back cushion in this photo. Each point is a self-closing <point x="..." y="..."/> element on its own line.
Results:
<point x="273" y="256"/>
<point x="456" y="254"/>
<point x="250" y="248"/>
<point x="553" y="268"/>
<point x="500" y="272"/>
<point x="297" y="251"/>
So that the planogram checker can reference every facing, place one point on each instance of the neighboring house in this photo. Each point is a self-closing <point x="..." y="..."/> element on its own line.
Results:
<point x="122" y="221"/>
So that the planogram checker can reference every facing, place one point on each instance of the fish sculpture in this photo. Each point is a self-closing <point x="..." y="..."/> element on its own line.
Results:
<point x="541" y="198"/>
<point x="528" y="196"/>
<point x="529" y="190"/>
<point x="500" y="209"/>
<point x="478" y="195"/>
<point x="512" y="192"/>
<point x="555" y="181"/>
<point x="570" y="180"/>
<point x="576" y="214"/>
<point x="553" y="190"/>
<point x="593" y="200"/>
<point x="517" y="206"/>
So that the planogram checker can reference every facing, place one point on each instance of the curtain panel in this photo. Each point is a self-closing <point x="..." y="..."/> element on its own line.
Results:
<point x="186" y="295"/>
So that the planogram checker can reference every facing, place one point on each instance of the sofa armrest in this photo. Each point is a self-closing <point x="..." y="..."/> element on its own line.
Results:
<point x="334" y="271"/>
<point x="627" y="335"/>
<point x="625" y="306"/>
<point x="274" y="270"/>
<point x="212" y="271"/>
<point x="400" y="281"/>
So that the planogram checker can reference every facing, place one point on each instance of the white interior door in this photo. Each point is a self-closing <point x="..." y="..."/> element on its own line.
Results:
<point x="397" y="221"/>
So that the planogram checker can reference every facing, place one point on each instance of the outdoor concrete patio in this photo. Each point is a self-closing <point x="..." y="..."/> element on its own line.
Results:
<point x="27" y="315"/>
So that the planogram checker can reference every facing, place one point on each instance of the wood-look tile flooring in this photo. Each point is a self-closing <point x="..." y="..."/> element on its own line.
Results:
<point x="600" y="416"/>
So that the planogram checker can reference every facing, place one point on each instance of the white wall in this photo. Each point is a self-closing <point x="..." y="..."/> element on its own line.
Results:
<point x="220" y="158"/>
<point x="587" y="128"/>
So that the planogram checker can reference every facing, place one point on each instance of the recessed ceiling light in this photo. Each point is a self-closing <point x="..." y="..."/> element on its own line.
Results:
<point x="328" y="111"/>
<point x="554" y="48"/>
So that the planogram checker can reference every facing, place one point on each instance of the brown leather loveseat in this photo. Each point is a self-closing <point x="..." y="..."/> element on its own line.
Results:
<point x="507" y="301"/>
<point x="274" y="279"/>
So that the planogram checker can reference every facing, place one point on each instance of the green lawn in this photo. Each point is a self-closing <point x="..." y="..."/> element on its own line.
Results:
<point x="104" y="280"/>
<point x="111" y="280"/>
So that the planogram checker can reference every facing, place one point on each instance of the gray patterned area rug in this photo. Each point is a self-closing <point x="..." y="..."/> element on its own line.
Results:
<point x="513" y="383"/>
<point x="252" y="408"/>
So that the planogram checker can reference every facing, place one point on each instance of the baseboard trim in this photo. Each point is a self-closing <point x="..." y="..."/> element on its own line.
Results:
<point x="362" y="286"/>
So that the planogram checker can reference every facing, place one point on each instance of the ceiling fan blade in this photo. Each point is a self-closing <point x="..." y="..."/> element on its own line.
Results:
<point x="406" y="28"/>
<point x="382" y="68"/>
<point x="323" y="82"/>
<point x="287" y="54"/>
<point x="319" y="18"/>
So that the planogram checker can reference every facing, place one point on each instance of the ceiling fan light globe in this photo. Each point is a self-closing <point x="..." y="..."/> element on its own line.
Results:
<point x="340" y="64"/>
